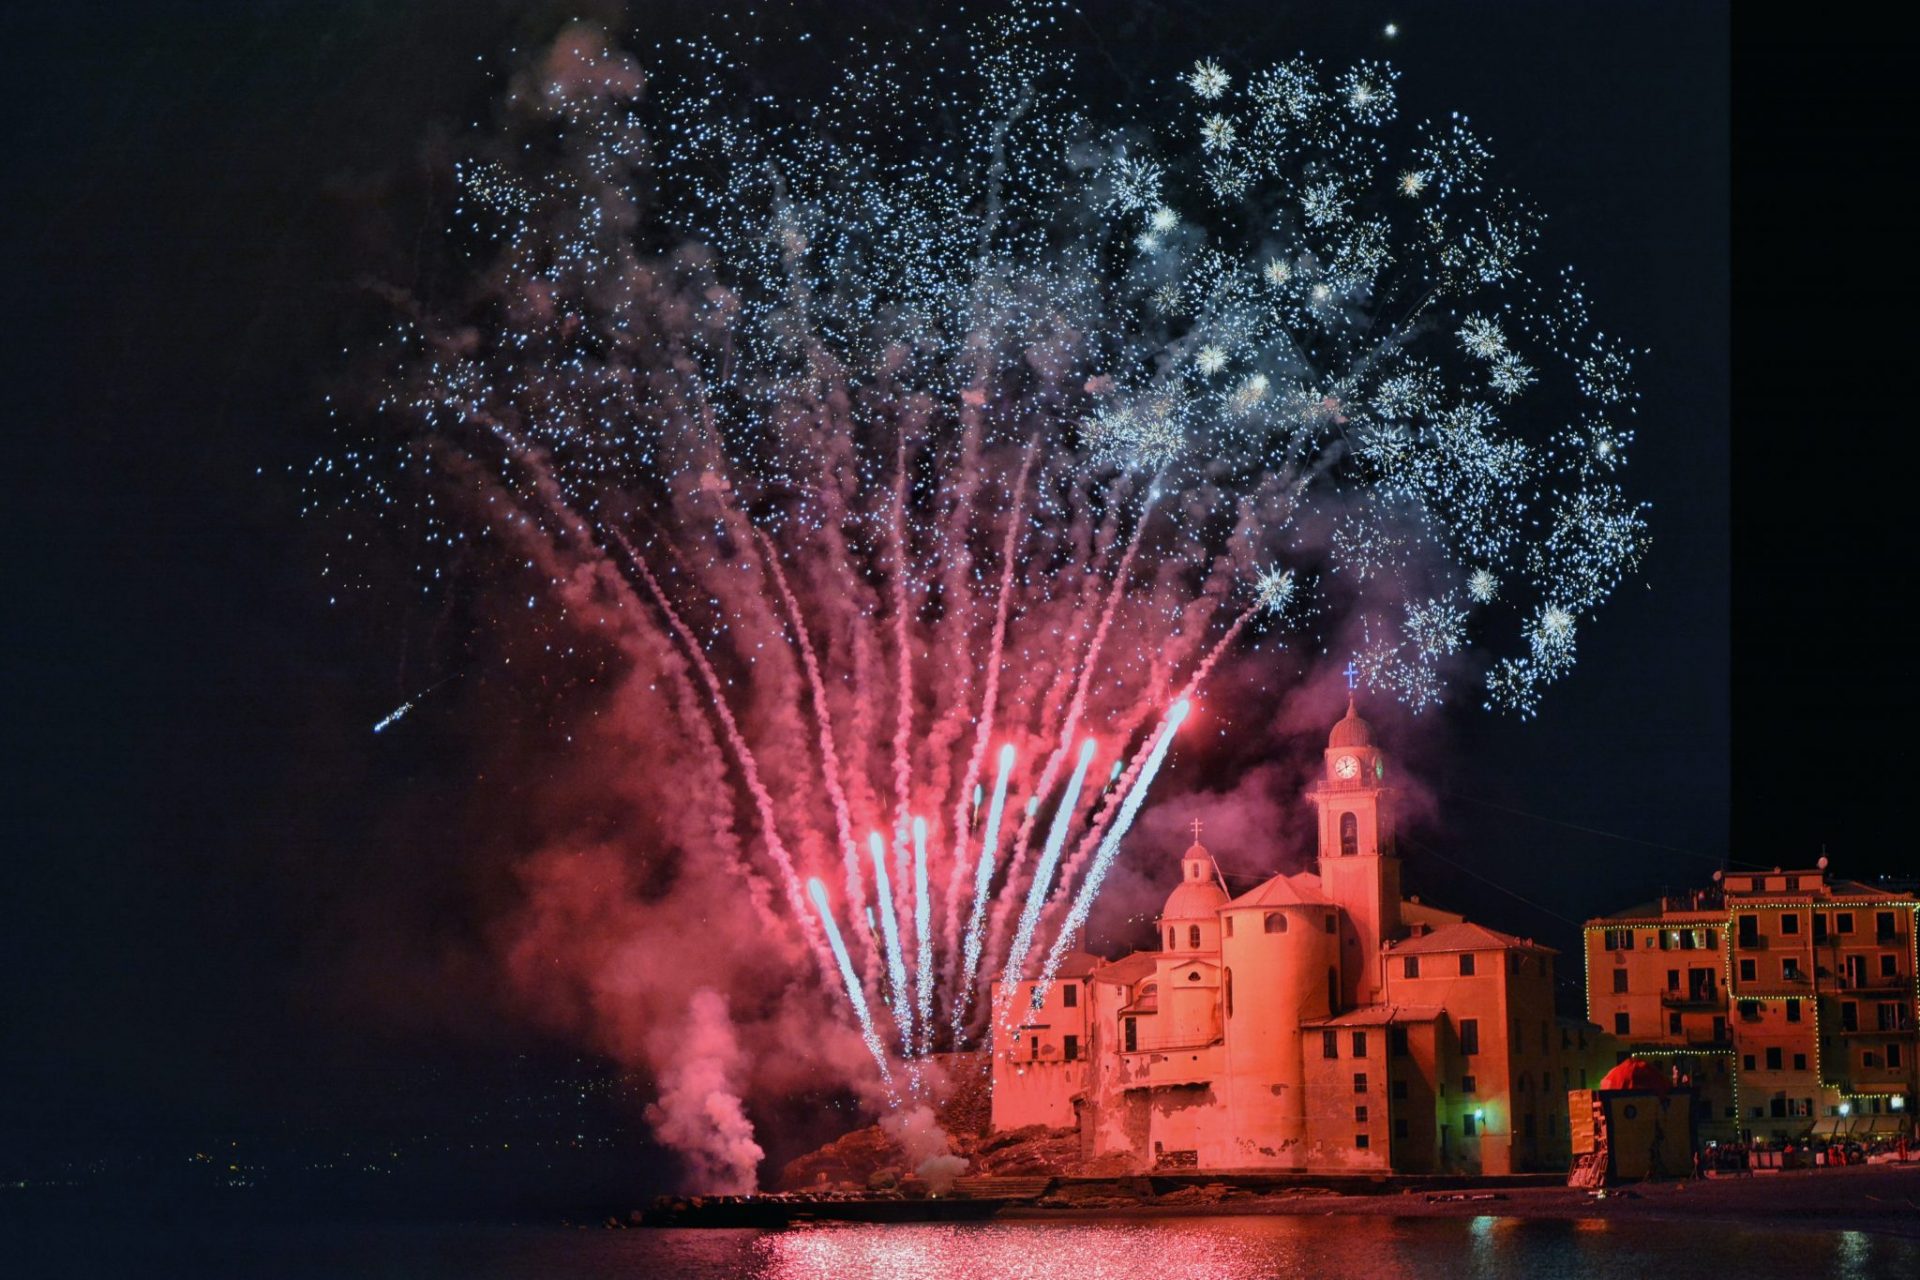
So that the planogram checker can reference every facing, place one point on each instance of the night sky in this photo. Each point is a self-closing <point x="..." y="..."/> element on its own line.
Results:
<point x="231" y="910"/>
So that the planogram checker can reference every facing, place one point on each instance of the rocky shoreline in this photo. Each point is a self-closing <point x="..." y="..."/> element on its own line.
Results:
<point x="1877" y="1198"/>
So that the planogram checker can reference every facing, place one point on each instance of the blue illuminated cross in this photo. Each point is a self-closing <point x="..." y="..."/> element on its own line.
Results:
<point x="1352" y="673"/>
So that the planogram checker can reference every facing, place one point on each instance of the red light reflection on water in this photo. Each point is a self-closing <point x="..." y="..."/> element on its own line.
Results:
<point x="1157" y="1249"/>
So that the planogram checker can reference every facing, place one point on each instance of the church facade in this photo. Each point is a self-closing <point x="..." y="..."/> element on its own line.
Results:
<point x="1321" y="1021"/>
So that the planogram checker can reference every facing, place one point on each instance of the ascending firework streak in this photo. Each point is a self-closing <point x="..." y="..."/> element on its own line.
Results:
<point x="890" y="930"/>
<point x="983" y="877"/>
<point x="1042" y="881"/>
<point x="849" y="980"/>
<point x="1109" y="849"/>
<point x="923" y="938"/>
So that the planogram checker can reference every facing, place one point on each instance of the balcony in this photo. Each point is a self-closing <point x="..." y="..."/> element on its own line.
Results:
<point x="1713" y="998"/>
<point x="1896" y="984"/>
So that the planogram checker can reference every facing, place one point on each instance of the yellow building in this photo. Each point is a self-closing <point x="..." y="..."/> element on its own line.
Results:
<point x="1321" y="1021"/>
<point x="1785" y="998"/>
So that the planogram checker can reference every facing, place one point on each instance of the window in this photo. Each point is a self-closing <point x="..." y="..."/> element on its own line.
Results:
<point x="1789" y="969"/>
<point x="1773" y="1058"/>
<point x="1619" y="939"/>
<point x="1359" y="1082"/>
<point x="1789" y="922"/>
<point x="1793" y="882"/>
<point x="1360" y="1141"/>
<point x="1133" y="1039"/>
<point x="1397" y="1041"/>
<point x="1333" y="988"/>
<point x="1467" y="1084"/>
<point x="1819" y="926"/>
<point x="1749" y="931"/>
<point x="1410" y="967"/>
<point x="1889" y="1014"/>
<point x="1793" y="1011"/>
<point x="1747" y="1062"/>
<point x="1673" y="979"/>
<point x="1172" y="939"/>
<point x="1883" y="926"/>
<point x="1400" y="1089"/>
<point x="1470" y="1035"/>
<point x="1399" y="1128"/>
<point x="1193" y="976"/>
<point x="1893" y="1053"/>
<point x="1033" y="1047"/>
<point x="1799" y="1062"/>
<point x="1329" y="1044"/>
<point x="1070" y="1048"/>
<point x="1275" y="922"/>
<point x="1719" y="1030"/>
<point x="1193" y="937"/>
<point x="1359" y="1044"/>
<point x="1466" y="964"/>
<point x="1360" y="1114"/>
<point x="1228" y="981"/>
<point x="1466" y="1125"/>
<point x="1889" y="967"/>
<point x="1620" y="1024"/>
<point x="1527" y="1124"/>
<point x="1349" y="835"/>
<point x="1849" y="1016"/>
<point x="1843" y="922"/>
<point x="1619" y="982"/>
<point x="1332" y="925"/>
<point x="1749" y="971"/>
<point x="1227" y="925"/>
<point x="1673" y="1024"/>
<point x="1070" y="995"/>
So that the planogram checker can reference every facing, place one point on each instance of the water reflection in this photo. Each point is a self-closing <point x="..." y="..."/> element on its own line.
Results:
<point x="1377" y="1248"/>
<point x="1372" y="1248"/>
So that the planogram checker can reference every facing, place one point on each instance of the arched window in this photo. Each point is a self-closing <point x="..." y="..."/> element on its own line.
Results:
<point x="1349" y="835"/>
<point x="1276" y="922"/>
<point x="1193" y="936"/>
<point x="1229" y="985"/>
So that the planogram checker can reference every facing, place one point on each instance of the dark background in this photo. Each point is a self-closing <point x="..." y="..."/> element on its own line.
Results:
<point x="199" y="825"/>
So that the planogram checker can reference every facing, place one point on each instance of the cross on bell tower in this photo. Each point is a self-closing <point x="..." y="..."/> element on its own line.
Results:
<point x="1196" y="830"/>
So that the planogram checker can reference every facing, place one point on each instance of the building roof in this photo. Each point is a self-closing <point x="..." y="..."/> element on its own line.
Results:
<point x="1199" y="893"/>
<point x="1194" y="900"/>
<point x="1351" y="731"/>
<point x="1078" y="964"/>
<point x="1464" y="937"/>
<point x="1378" y="1015"/>
<point x="1283" y="890"/>
<point x="1127" y="970"/>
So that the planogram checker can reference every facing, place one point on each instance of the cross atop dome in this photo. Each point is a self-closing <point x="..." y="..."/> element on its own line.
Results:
<point x="1195" y="824"/>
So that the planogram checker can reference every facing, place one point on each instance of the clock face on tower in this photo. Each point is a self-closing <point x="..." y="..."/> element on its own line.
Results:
<point x="1346" y="767"/>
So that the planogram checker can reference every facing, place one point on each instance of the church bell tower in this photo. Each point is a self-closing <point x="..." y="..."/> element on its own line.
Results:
<point x="1359" y="870"/>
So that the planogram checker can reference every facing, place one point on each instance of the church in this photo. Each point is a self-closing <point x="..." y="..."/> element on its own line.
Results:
<point x="1320" y="1022"/>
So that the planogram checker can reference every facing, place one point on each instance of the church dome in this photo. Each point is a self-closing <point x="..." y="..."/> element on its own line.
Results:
<point x="1351" y="731"/>
<point x="1198" y="895"/>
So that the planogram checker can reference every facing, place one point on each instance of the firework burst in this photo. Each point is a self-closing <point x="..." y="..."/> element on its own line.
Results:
<point x="876" y="464"/>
